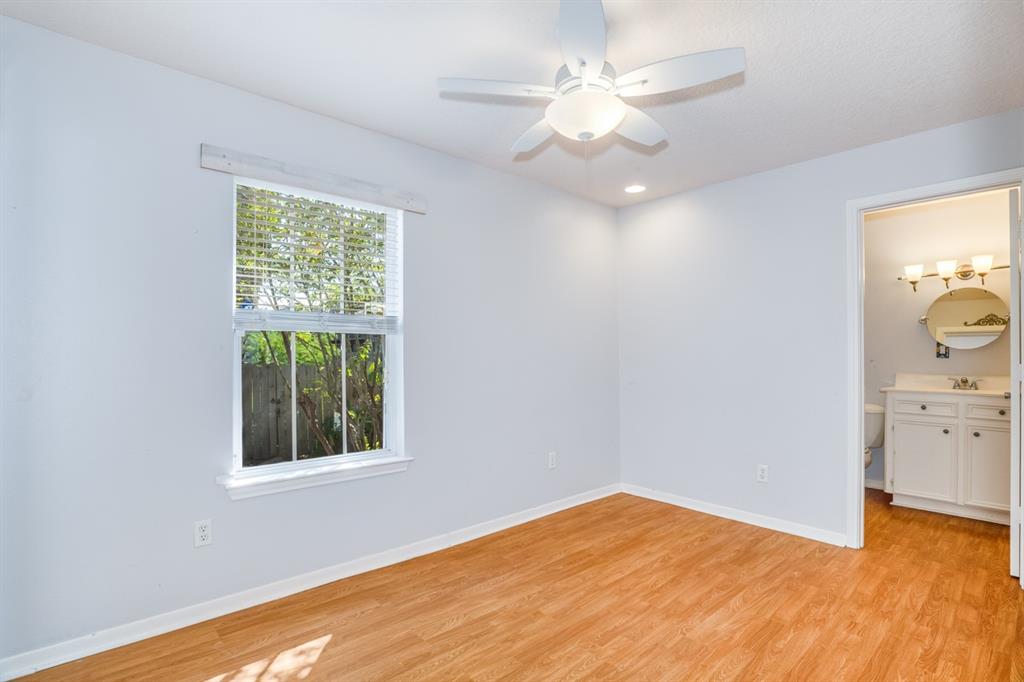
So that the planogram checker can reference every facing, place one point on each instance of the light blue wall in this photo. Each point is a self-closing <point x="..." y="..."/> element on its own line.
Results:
<point x="116" y="333"/>
<point x="732" y="322"/>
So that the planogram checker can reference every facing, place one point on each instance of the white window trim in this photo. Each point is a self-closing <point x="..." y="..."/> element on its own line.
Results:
<point x="244" y="482"/>
<point x="278" y="478"/>
<point x="294" y="176"/>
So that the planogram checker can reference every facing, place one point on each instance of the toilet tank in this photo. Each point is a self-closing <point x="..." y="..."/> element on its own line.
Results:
<point x="874" y="425"/>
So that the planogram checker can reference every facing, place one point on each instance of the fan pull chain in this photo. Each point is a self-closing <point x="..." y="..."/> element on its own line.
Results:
<point x="586" y="161"/>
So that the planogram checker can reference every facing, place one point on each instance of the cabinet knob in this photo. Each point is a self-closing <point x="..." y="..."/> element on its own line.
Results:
<point x="924" y="407"/>
<point x="945" y="430"/>
<point x="977" y="435"/>
<point x="1002" y="411"/>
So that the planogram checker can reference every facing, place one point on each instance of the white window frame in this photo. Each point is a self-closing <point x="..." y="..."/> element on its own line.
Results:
<point x="242" y="481"/>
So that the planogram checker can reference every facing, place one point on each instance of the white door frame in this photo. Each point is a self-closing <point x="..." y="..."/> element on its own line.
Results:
<point x="855" y="209"/>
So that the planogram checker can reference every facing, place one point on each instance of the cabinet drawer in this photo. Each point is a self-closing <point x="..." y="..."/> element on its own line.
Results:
<point x="982" y="411"/>
<point x="926" y="408"/>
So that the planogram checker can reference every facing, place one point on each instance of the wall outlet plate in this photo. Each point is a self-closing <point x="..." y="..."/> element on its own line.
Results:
<point x="762" y="473"/>
<point x="202" y="533"/>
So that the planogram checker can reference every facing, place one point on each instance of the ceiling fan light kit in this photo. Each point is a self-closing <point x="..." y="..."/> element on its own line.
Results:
<point x="587" y="96"/>
<point x="585" y="114"/>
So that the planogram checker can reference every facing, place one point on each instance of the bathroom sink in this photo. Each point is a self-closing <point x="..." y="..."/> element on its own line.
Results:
<point x="943" y="383"/>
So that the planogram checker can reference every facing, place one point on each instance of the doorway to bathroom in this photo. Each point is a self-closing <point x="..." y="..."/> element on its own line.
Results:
<point x="934" y="301"/>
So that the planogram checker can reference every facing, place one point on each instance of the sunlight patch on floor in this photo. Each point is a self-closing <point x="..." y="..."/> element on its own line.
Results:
<point x="291" y="664"/>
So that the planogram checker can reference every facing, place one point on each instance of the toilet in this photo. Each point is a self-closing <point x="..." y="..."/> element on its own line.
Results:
<point x="874" y="429"/>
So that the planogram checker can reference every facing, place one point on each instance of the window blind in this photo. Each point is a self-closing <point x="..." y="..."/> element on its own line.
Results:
<point x="315" y="263"/>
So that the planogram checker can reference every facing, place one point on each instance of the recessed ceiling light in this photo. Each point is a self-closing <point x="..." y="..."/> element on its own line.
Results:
<point x="635" y="189"/>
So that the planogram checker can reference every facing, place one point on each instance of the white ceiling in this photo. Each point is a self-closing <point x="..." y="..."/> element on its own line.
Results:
<point x="821" y="76"/>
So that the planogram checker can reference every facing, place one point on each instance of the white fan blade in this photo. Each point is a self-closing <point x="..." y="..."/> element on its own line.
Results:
<point x="681" y="72"/>
<point x="534" y="135"/>
<point x="581" y="31"/>
<point x="478" y="86"/>
<point x="640" y="127"/>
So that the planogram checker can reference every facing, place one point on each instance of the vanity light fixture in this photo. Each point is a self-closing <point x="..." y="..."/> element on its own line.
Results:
<point x="982" y="266"/>
<point x="913" y="274"/>
<point x="948" y="269"/>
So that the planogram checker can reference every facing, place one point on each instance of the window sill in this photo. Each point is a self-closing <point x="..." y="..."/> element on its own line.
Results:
<point x="306" y="474"/>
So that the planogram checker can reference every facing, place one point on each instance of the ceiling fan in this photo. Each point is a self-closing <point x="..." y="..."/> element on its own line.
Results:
<point x="587" y="95"/>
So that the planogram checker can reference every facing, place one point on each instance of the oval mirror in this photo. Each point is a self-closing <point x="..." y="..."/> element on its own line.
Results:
<point x="967" y="318"/>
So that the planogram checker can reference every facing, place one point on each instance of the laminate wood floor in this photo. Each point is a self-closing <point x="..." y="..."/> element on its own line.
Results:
<point x="629" y="589"/>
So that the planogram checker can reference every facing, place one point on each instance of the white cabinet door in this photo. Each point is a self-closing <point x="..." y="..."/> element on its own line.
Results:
<point x="925" y="459"/>
<point x="987" y="466"/>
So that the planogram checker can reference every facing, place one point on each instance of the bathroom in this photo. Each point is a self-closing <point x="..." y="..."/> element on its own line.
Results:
<point x="937" y="360"/>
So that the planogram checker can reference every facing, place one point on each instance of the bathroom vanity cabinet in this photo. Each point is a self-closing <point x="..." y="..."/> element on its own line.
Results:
<point x="948" y="451"/>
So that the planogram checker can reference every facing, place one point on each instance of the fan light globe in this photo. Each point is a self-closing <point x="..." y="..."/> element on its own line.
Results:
<point x="585" y="114"/>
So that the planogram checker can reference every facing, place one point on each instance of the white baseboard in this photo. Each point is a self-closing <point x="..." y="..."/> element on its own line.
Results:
<point x="770" y="522"/>
<point x="977" y="513"/>
<point x="70" y="650"/>
<point x="874" y="484"/>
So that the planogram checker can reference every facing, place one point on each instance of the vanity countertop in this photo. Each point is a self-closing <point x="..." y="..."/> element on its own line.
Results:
<point x="989" y="386"/>
<point x="990" y="393"/>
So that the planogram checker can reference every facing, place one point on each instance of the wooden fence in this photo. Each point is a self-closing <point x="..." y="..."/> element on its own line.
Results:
<point x="266" y="415"/>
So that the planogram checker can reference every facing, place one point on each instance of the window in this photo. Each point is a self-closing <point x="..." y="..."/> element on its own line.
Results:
<point x="317" y="318"/>
<point x="336" y="407"/>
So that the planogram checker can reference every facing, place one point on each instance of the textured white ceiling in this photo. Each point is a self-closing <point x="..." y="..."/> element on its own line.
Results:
<point x="821" y="76"/>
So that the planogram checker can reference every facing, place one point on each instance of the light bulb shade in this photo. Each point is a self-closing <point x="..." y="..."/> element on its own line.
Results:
<point x="913" y="273"/>
<point x="982" y="264"/>
<point x="946" y="268"/>
<point x="585" y="114"/>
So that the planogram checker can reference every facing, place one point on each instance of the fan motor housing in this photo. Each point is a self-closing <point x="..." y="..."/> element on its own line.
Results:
<point x="565" y="82"/>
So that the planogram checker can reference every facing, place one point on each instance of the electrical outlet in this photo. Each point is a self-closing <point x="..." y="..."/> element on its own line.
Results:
<point x="762" y="473"/>
<point x="552" y="460"/>
<point x="202" y="533"/>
